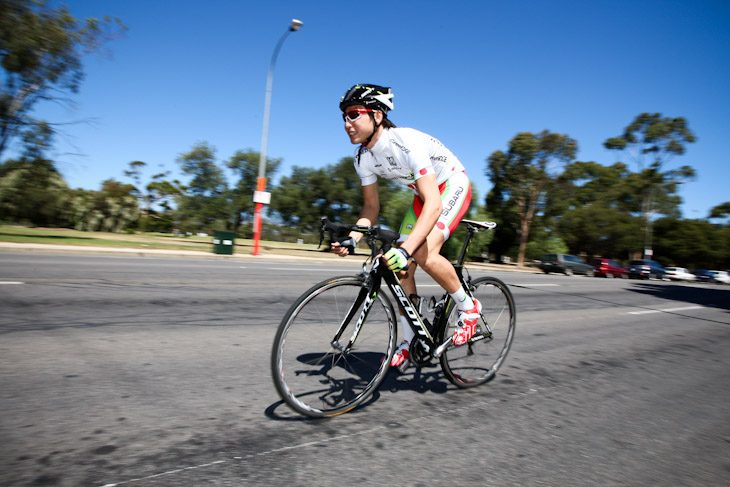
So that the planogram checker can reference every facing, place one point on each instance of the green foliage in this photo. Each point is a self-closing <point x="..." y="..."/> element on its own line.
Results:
<point x="333" y="191"/>
<point x="653" y="136"/>
<point x="113" y="209"/>
<point x="658" y="139"/>
<point x="41" y="48"/>
<point x="695" y="244"/>
<point x="32" y="191"/>
<point x="545" y="243"/>
<point x="521" y="177"/>
<point x="245" y="164"/>
<point x="595" y="204"/>
<point x="204" y="205"/>
<point x="153" y="197"/>
<point x="720" y="211"/>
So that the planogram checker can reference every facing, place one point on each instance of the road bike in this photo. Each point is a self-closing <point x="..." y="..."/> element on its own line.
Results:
<point x="334" y="345"/>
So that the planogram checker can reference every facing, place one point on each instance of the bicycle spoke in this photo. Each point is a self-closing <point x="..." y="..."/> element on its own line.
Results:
<point x="339" y="377"/>
<point x="478" y="360"/>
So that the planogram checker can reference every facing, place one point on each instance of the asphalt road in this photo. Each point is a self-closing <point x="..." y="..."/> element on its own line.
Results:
<point x="155" y="372"/>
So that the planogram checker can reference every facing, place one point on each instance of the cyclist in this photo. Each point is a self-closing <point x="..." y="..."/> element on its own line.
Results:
<point x="442" y="196"/>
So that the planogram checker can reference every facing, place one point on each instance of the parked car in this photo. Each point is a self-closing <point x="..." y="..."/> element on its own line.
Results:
<point x="721" y="277"/>
<point x="704" y="276"/>
<point x="679" y="274"/>
<point x="608" y="268"/>
<point x="646" y="269"/>
<point x="565" y="264"/>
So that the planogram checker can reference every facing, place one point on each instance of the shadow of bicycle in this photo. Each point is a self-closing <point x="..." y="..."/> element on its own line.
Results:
<point x="422" y="380"/>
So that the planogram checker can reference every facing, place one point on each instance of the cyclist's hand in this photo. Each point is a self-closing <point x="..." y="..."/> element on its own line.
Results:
<point x="343" y="248"/>
<point x="397" y="259"/>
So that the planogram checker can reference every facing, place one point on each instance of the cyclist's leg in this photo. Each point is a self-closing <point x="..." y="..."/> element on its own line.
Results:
<point x="429" y="257"/>
<point x="408" y="283"/>
<point x="455" y="197"/>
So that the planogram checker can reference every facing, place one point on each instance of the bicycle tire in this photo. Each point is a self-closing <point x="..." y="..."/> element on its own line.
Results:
<point x="478" y="360"/>
<point x="312" y="376"/>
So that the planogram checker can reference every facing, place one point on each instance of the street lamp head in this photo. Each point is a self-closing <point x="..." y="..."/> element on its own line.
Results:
<point x="295" y="25"/>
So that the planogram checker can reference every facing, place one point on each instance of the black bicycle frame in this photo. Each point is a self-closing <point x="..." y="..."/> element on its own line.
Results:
<point x="368" y="295"/>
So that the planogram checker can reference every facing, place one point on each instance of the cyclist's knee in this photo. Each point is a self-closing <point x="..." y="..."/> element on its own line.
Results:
<point x="425" y="257"/>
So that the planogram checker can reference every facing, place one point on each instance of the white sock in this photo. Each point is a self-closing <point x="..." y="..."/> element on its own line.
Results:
<point x="462" y="300"/>
<point x="408" y="333"/>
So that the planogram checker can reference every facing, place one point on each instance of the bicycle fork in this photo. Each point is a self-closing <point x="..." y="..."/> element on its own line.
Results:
<point x="367" y="301"/>
<point x="365" y="298"/>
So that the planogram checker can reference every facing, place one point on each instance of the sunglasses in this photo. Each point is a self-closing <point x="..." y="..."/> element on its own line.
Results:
<point x="355" y="114"/>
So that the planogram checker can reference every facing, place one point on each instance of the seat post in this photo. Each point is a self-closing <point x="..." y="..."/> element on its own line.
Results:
<point x="469" y="235"/>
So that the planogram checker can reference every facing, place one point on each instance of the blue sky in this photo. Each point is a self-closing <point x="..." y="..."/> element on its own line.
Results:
<point x="471" y="73"/>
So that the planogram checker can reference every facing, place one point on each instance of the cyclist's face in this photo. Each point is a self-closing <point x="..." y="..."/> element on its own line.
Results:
<point x="360" y="129"/>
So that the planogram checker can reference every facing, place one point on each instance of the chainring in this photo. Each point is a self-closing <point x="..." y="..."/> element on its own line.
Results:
<point x="420" y="354"/>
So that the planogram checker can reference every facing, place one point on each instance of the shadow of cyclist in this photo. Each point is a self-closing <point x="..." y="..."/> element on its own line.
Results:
<point x="428" y="379"/>
<point x="715" y="297"/>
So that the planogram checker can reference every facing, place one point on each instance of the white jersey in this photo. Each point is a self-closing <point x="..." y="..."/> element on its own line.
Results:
<point x="405" y="155"/>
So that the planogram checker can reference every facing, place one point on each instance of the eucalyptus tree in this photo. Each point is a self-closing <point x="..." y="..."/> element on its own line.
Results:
<point x="651" y="141"/>
<point x="594" y="204"/>
<point x="41" y="49"/>
<point x="154" y="195"/>
<point x="204" y="201"/>
<point x="521" y="177"/>
<point x="720" y="211"/>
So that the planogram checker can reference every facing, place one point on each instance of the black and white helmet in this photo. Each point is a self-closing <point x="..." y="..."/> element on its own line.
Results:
<point x="370" y="96"/>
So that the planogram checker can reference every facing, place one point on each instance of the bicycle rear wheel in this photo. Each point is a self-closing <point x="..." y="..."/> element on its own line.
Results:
<point x="477" y="361"/>
<point x="319" y="378"/>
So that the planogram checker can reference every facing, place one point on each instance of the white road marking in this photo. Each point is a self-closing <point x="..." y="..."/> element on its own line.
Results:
<point x="670" y="310"/>
<point x="318" y="269"/>
<point x="11" y="282"/>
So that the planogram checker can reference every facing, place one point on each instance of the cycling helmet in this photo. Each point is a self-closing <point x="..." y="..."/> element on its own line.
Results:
<point x="370" y="96"/>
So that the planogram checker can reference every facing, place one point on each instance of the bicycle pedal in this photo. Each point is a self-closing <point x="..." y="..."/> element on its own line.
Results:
<point x="404" y="366"/>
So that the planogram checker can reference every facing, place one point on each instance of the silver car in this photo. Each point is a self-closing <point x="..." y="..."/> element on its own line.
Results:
<point x="679" y="274"/>
<point x="721" y="276"/>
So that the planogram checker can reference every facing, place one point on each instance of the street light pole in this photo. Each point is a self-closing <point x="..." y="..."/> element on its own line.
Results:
<point x="260" y="196"/>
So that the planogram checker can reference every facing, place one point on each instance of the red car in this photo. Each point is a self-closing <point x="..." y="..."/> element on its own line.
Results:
<point x="609" y="268"/>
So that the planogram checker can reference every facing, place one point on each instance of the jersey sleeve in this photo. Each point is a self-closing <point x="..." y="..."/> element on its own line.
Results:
<point x="366" y="176"/>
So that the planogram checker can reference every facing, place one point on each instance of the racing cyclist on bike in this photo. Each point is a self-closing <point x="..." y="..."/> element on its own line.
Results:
<point x="442" y="196"/>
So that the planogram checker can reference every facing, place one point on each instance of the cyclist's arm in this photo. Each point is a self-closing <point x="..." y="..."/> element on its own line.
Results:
<point x="370" y="208"/>
<point x="432" y="208"/>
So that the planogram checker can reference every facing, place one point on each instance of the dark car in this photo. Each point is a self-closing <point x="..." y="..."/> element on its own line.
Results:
<point x="646" y="269"/>
<point x="704" y="276"/>
<point x="565" y="264"/>
<point x="608" y="268"/>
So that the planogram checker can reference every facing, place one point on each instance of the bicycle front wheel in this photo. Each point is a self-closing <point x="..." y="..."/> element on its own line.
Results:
<point x="477" y="361"/>
<point x="322" y="365"/>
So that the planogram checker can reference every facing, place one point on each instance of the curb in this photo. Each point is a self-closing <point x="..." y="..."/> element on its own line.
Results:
<point x="135" y="252"/>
